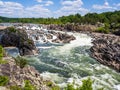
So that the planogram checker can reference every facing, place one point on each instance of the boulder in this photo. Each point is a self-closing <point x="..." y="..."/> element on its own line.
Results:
<point x="19" y="39"/>
<point x="63" y="38"/>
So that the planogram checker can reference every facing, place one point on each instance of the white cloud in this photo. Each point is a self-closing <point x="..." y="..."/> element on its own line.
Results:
<point x="48" y="3"/>
<point x="10" y="8"/>
<point x="38" y="11"/>
<point x="118" y="5"/>
<point x="39" y="1"/>
<point x="13" y="9"/>
<point x="75" y="3"/>
<point x="45" y="2"/>
<point x="71" y="7"/>
<point x="104" y="6"/>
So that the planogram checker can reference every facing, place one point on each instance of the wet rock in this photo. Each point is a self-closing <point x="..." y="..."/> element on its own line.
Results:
<point x="63" y="38"/>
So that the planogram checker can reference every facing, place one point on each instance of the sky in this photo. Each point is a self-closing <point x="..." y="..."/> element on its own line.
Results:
<point x="55" y="8"/>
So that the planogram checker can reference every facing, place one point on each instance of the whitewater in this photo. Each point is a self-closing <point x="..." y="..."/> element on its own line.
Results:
<point x="71" y="62"/>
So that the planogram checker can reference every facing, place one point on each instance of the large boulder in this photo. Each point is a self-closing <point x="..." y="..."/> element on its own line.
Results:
<point x="63" y="38"/>
<point x="17" y="38"/>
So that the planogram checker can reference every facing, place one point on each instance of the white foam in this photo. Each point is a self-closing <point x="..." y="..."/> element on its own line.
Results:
<point x="117" y="87"/>
<point x="81" y="40"/>
<point x="51" y="76"/>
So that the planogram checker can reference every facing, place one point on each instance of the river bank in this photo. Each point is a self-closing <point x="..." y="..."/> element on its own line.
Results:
<point x="106" y="49"/>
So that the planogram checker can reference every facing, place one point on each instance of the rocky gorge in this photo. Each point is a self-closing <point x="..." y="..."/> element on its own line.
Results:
<point x="64" y="57"/>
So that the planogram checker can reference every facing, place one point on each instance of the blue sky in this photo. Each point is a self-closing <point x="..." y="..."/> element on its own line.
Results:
<point x="55" y="8"/>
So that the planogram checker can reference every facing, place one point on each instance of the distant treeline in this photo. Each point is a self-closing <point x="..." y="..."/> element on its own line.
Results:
<point x="90" y="18"/>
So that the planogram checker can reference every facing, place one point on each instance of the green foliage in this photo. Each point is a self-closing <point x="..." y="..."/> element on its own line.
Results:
<point x="30" y="41"/>
<point x="1" y="56"/>
<point x="3" y="80"/>
<point x="3" y="62"/>
<point x="51" y="85"/>
<point x="15" y="88"/>
<point x="70" y="87"/>
<point x="86" y="85"/>
<point x="55" y="88"/>
<point x="21" y="61"/>
<point x="90" y="18"/>
<point x="48" y="83"/>
<point x="1" y="52"/>
<point x="12" y="29"/>
<point x="29" y="86"/>
<point x="102" y="30"/>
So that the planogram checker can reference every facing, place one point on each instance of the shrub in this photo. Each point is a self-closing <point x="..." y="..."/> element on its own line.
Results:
<point x="1" y="52"/>
<point x="51" y="85"/>
<point x="1" y="56"/>
<point x="21" y="61"/>
<point x="3" y="62"/>
<point x="3" y="80"/>
<point x="15" y="88"/>
<point x="12" y="29"/>
<point x="87" y="85"/>
<point x="55" y="88"/>
<point x="70" y="87"/>
<point x="28" y="86"/>
<point x="102" y="30"/>
<point x="48" y="83"/>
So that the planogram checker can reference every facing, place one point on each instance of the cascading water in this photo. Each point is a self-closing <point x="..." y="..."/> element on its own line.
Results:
<point x="71" y="63"/>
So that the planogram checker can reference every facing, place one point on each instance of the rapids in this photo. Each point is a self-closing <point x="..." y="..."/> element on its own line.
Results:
<point x="71" y="62"/>
<point x="68" y="63"/>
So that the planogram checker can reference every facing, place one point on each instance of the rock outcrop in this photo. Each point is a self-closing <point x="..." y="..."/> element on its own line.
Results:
<point x="106" y="49"/>
<point x="62" y="37"/>
<point x="72" y="27"/>
<point x="17" y="76"/>
<point x="19" y="39"/>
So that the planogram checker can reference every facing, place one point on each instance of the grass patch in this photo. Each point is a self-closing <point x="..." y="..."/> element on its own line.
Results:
<point x="86" y="85"/>
<point x="4" y="80"/>
<point x="21" y="61"/>
<point x="28" y="86"/>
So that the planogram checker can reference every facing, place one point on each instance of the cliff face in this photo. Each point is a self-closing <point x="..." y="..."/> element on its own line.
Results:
<point x="17" y="38"/>
<point x="106" y="49"/>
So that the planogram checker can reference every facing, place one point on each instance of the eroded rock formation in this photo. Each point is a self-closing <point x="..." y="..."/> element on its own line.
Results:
<point x="106" y="49"/>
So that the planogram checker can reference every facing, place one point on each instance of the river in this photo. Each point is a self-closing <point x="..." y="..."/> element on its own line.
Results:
<point x="68" y="63"/>
<point x="71" y="62"/>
